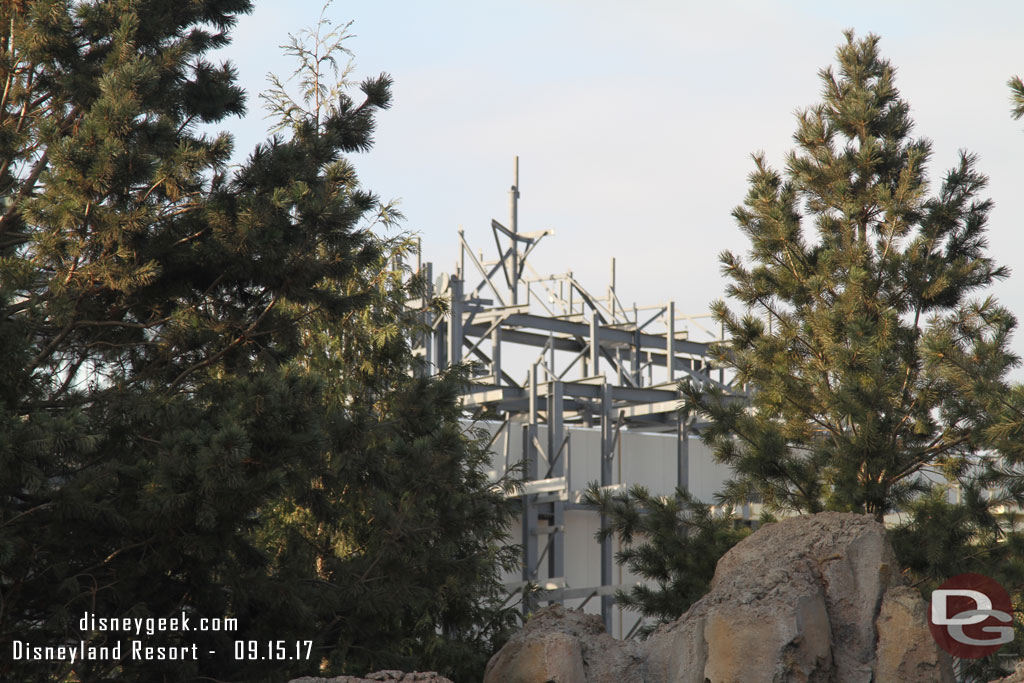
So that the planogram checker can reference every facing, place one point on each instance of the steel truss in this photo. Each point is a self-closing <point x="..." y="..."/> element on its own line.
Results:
<point x="588" y="360"/>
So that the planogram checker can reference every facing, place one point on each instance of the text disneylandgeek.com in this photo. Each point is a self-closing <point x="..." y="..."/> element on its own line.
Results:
<point x="137" y="632"/>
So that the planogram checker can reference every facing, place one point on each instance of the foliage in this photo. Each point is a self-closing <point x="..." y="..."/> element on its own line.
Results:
<point x="939" y="538"/>
<point x="870" y="370"/>
<point x="416" y="540"/>
<point x="874" y="382"/>
<point x="176" y="433"/>
<point x="672" y="542"/>
<point x="1017" y="96"/>
<point x="322" y="81"/>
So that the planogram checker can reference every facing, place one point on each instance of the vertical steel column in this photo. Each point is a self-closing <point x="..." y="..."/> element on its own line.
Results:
<point x="556" y="435"/>
<point x="455" y="322"/>
<point x="670" y="342"/>
<point x="611" y="294"/>
<point x="496" y="354"/>
<point x="441" y="346"/>
<point x="607" y="453"/>
<point x="513" y="201"/>
<point x="429" y="348"/>
<point x="531" y="553"/>
<point x="682" y="454"/>
<point x="638" y="378"/>
<point x="595" y="344"/>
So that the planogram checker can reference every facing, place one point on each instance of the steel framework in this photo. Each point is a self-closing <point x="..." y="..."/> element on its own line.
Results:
<point x="548" y="355"/>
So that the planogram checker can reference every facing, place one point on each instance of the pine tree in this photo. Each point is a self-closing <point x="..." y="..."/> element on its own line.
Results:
<point x="866" y="379"/>
<point x="672" y="542"/>
<point x="173" y="436"/>
<point x="420" y="528"/>
<point x="876" y="380"/>
<point x="858" y="296"/>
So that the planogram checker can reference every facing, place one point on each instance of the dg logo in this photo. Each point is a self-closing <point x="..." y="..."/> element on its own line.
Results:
<point x="971" y="616"/>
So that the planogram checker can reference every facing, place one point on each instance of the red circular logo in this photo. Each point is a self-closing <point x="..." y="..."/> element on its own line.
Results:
<point x="971" y="616"/>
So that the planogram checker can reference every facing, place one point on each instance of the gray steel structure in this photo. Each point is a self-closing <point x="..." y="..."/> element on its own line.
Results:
<point x="588" y="361"/>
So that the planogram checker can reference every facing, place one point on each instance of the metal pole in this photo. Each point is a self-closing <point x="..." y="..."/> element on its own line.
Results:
<point x="531" y="552"/>
<point x="556" y="436"/>
<point x="611" y="292"/>
<point x="429" y="343"/>
<point x="682" y="454"/>
<point x="514" y="227"/>
<point x="455" y="322"/>
<point x="670" y="344"/>
<point x="496" y="354"/>
<point x="607" y="451"/>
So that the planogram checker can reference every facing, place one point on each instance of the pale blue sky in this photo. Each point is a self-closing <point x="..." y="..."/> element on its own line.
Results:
<point x="634" y="122"/>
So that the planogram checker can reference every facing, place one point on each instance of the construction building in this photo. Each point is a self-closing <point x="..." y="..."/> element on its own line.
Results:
<point x="578" y="389"/>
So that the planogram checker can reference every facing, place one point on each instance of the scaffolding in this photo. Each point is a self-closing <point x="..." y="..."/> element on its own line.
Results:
<point x="548" y="354"/>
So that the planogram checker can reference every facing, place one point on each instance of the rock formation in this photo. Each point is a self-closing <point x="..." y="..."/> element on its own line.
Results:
<point x="378" y="677"/>
<point x="810" y="599"/>
<point x="1016" y="677"/>
<point x="566" y="646"/>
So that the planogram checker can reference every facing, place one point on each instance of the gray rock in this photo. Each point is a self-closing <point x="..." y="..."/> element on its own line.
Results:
<point x="387" y="676"/>
<point x="810" y="599"/>
<point x="765" y="619"/>
<point x="845" y="557"/>
<point x="677" y="652"/>
<point x="565" y="646"/>
<point x="906" y="650"/>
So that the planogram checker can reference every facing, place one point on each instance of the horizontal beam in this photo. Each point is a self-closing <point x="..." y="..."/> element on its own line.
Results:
<point x="542" y="486"/>
<point x="610" y="334"/>
<point x="577" y="593"/>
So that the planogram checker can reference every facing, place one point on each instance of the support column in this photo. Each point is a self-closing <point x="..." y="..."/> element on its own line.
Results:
<point x="496" y="354"/>
<point x="455" y="322"/>
<point x="531" y="554"/>
<point x="514" y="227"/>
<point x="607" y="453"/>
<point x="670" y="345"/>
<point x="682" y="454"/>
<point x="556" y="435"/>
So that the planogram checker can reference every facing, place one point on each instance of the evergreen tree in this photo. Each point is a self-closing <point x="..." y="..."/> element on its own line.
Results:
<point x="858" y="297"/>
<point x="672" y="542"/>
<point x="869" y="380"/>
<point x="421" y="529"/>
<point x="169" y="441"/>
<point x="874" y="382"/>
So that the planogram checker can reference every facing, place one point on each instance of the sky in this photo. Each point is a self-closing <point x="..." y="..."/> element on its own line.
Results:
<point x="635" y="122"/>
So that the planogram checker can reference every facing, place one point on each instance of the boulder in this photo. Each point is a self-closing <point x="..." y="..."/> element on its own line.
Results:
<point x="565" y="646"/>
<point x="810" y="599"/>
<point x="795" y="601"/>
<point x="781" y="608"/>
<point x="377" y="677"/>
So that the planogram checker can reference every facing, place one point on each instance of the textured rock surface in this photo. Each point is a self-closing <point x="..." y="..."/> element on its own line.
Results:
<point x="1016" y="677"/>
<point x="906" y="651"/>
<point x="811" y="599"/>
<point x="551" y="658"/>
<point x="390" y="676"/>
<point x="795" y="601"/>
<point x="677" y="652"/>
<point x="565" y="646"/>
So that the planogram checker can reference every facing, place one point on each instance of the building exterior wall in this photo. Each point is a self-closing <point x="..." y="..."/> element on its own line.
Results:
<point x="641" y="458"/>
